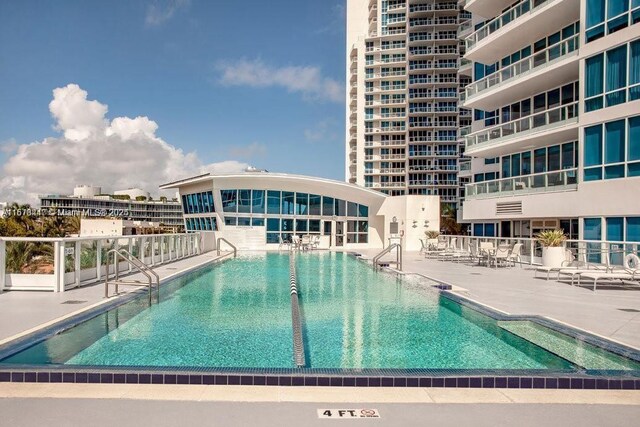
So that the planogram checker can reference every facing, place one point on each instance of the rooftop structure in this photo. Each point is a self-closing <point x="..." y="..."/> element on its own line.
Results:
<point x="258" y="210"/>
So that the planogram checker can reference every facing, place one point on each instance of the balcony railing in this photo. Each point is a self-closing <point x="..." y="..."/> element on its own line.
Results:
<point x="532" y="63"/>
<point x="433" y="182"/>
<point x="431" y="7"/>
<point x="536" y="122"/>
<point x="560" y="180"/>
<point x="466" y="166"/>
<point x="520" y="9"/>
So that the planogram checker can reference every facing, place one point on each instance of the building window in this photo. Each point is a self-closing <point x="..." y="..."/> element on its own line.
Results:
<point x="608" y="16"/>
<point x="229" y="200"/>
<point x="612" y="150"/>
<point x="613" y="77"/>
<point x="198" y="203"/>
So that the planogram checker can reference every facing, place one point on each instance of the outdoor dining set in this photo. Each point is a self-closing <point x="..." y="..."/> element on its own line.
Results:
<point x="305" y="242"/>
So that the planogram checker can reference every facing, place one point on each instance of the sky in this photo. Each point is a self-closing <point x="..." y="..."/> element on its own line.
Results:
<point x="135" y="93"/>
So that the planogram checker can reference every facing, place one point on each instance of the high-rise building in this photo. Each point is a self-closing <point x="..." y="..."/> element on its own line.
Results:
<point x="555" y="140"/>
<point x="403" y="63"/>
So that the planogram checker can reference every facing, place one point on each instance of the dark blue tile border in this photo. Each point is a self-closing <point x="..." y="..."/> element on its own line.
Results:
<point x="580" y="382"/>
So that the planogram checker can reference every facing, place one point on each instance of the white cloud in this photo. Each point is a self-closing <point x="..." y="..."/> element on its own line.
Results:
<point x="296" y="79"/>
<point x="9" y="146"/>
<point x="92" y="149"/>
<point x="160" y="11"/>
<point x="248" y="151"/>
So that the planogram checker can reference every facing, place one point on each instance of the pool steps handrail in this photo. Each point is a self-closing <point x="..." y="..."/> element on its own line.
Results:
<point x="143" y="268"/>
<point x="222" y="239"/>
<point x="298" y="344"/>
<point x="388" y="249"/>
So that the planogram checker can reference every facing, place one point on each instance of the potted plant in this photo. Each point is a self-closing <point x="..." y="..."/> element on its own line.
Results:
<point x="552" y="242"/>
<point x="432" y="238"/>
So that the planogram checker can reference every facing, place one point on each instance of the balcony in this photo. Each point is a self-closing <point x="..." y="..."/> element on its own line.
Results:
<point x="522" y="24"/>
<point x="432" y="7"/>
<point x="434" y="182"/>
<point x="484" y="8"/>
<point x="562" y="180"/>
<point x="555" y="125"/>
<point x="384" y="184"/>
<point x="554" y="66"/>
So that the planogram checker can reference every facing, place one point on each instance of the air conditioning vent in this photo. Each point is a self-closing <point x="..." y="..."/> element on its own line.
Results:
<point x="509" y="208"/>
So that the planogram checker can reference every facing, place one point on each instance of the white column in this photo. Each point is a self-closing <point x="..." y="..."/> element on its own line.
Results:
<point x="3" y="263"/>
<point x="77" y="262"/>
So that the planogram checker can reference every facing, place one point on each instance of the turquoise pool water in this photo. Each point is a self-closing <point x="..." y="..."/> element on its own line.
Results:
<point x="238" y="315"/>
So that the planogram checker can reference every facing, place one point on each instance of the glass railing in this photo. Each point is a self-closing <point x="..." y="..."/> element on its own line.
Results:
<point x="536" y="122"/>
<point x="466" y="166"/>
<point x="566" y="179"/>
<point x="536" y="61"/>
<point x="522" y="8"/>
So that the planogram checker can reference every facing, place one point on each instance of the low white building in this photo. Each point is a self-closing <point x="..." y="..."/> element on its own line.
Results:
<point x="258" y="210"/>
<point x="90" y="227"/>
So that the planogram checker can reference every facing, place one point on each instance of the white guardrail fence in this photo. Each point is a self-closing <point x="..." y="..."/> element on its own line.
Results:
<point x="592" y="251"/>
<point x="60" y="264"/>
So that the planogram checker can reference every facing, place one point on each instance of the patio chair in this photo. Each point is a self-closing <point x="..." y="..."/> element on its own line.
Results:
<point x="315" y="242"/>
<point x="514" y="256"/>
<point x="305" y="242"/>
<point x="295" y="242"/>
<point x="284" y="244"/>
<point x="475" y="255"/>
<point x="501" y="254"/>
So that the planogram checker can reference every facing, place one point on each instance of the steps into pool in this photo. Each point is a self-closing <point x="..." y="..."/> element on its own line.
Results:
<point x="577" y="352"/>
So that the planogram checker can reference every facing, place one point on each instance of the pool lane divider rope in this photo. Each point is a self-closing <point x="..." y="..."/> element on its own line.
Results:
<point x="298" y="346"/>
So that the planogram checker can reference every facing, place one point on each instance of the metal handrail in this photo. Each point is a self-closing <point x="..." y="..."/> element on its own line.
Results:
<point x="142" y="267"/>
<point x="397" y="246"/>
<point x="222" y="239"/>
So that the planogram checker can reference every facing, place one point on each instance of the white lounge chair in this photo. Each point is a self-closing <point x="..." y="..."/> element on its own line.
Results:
<point x="569" y="263"/>
<point x="611" y="276"/>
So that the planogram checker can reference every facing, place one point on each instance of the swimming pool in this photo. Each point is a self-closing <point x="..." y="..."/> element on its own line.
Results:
<point x="237" y="315"/>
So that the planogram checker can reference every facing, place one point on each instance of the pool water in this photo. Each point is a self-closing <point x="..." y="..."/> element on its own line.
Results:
<point x="238" y="315"/>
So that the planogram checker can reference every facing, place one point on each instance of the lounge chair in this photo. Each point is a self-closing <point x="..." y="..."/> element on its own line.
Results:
<point x="568" y="263"/>
<point x="574" y="273"/>
<point x="423" y="247"/>
<point x="610" y="276"/>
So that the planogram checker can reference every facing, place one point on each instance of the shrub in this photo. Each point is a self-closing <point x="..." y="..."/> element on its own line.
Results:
<point x="551" y="238"/>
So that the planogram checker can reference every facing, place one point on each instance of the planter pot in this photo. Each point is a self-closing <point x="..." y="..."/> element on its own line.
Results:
<point x="552" y="256"/>
<point x="432" y="243"/>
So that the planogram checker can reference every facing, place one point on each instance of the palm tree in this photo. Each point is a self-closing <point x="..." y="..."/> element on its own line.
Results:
<point x="448" y="220"/>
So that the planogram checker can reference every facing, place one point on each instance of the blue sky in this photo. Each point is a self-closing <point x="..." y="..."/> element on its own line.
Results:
<point x="258" y="82"/>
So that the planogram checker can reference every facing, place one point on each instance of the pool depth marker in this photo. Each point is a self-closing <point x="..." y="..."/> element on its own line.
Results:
<point x="298" y="346"/>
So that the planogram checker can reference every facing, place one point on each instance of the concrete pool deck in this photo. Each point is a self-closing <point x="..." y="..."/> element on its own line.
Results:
<point x="613" y="313"/>
<point x="108" y="405"/>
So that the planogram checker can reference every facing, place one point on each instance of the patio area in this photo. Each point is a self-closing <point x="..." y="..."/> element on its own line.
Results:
<point x="612" y="312"/>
